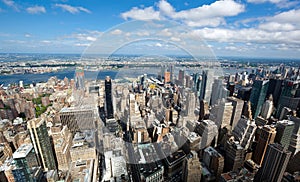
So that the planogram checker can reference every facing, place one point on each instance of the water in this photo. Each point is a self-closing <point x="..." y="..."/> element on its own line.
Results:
<point x="69" y="73"/>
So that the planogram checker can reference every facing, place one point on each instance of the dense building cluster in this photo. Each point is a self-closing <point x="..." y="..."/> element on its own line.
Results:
<point x="173" y="125"/>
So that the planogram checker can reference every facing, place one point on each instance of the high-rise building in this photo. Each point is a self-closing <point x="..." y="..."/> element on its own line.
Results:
<point x="62" y="139"/>
<point x="236" y="110"/>
<point x="274" y="89"/>
<point x="181" y="77"/>
<point x="234" y="156"/>
<point x="267" y="108"/>
<point x="108" y="98"/>
<point x="258" y="95"/>
<point x="219" y="91"/>
<point x="214" y="161"/>
<point x="79" y="79"/>
<point x="78" y="118"/>
<point x="192" y="168"/>
<point x="284" y="133"/>
<point x="41" y="143"/>
<point x="274" y="163"/>
<point x="290" y="96"/>
<point x="208" y="131"/>
<point x="221" y="114"/>
<point x="190" y="103"/>
<point x="295" y="139"/>
<point x="244" y="132"/>
<point x="203" y="86"/>
<point x="267" y="136"/>
<point x="27" y="168"/>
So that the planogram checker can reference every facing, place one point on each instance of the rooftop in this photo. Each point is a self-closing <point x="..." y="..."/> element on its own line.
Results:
<point x="22" y="151"/>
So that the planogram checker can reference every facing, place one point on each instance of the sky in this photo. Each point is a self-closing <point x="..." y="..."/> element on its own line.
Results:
<point x="247" y="28"/>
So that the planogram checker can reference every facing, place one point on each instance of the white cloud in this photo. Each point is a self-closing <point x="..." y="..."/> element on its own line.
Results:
<point x="81" y="45"/>
<point x="36" y="9"/>
<point x="27" y="35"/>
<point x="12" y="4"/>
<point x="72" y="9"/>
<point x="46" y="41"/>
<point x="206" y="15"/>
<point x="275" y="26"/>
<point x="116" y="32"/>
<point x="279" y="3"/>
<point x="141" y="14"/>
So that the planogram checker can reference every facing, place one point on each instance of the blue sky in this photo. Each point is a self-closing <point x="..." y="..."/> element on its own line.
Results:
<point x="258" y="28"/>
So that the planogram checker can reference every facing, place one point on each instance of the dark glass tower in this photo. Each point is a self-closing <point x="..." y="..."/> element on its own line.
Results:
<point x="108" y="98"/>
<point x="258" y="95"/>
<point x="41" y="143"/>
<point x="274" y="164"/>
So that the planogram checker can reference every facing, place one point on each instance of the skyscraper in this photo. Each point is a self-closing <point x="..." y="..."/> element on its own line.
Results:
<point x="221" y="114"/>
<point x="244" y="132"/>
<point x="267" y="136"/>
<point x="108" y="98"/>
<point x="219" y="91"/>
<point x="79" y="79"/>
<point x="267" y="108"/>
<point x="41" y="143"/>
<point x="203" y="86"/>
<point x="181" y="77"/>
<point x="274" y="164"/>
<point x="290" y="97"/>
<point x="62" y="139"/>
<point x="274" y="89"/>
<point x="234" y="157"/>
<point x="236" y="111"/>
<point x="258" y="95"/>
<point x="214" y="161"/>
<point x="295" y="139"/>
<point x="192" y="168"/>
<point x="27" y="167"/>
<point x="284" y="133"/>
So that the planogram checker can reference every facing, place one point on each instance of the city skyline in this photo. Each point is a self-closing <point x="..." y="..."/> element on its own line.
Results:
<point x="260" y="28"/>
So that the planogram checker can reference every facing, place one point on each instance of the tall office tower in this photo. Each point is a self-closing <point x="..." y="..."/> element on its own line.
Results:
<point x="234" y="156"/>
<point x="290" y="97"/>
<point x="274" y="89"/>
<point x="284" y="133"/>
<point x="78" y="118"/>
<point x="258" y="95"/>
<point x="167" y="76"/>
<point x="244" y="132"/>
<point x="267" y="108"/>
<point x="275" y="163"/>
<point x="41" y="143"/>
<point x="267" y="136"/>
<point x="236" y="111"/>
<point x="295" y="139"/>
<point x="27" y="168"/>
<point x="62" y="139"/>
<point x="231" y="88"/>
<point x="190" y="103"/>
<point x="197" y="86"/>
<point x="214" y="161"/>
<point x="244" y="93"/>
<point x="79" y="79"/>
<point x="247" y="112"/>
<point x="193" y="168"/>
<point x="108" y="98"/>
<point x="219" y="92"/>
<point x="181" y="77"/>
<point x="208" y="131"/>
<point x="203" y="85"/>
<point x="221" y="114"/>
<point x="188" y="81"/>
<point x="171" y="69"/>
